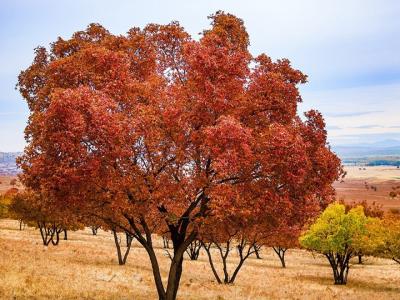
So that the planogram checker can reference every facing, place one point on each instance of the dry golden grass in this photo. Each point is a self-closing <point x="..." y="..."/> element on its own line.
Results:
<point x="374" y="173"/>
<point x="85" y="267"/>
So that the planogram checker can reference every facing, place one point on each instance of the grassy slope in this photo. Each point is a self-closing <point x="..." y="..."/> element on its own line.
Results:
<point x="85" y="267"/>
<point x="383" y="178"/>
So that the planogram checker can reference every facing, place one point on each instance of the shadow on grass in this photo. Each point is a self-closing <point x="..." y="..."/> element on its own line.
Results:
<point x="353" y="283"/>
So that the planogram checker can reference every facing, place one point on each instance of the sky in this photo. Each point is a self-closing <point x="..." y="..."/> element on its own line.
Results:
<point x="349" y="49"/>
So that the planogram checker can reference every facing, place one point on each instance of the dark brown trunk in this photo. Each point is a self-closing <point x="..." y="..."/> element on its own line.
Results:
<point x="340" y="266"/>
<point x="57" y="231"/>
<point x="46" y="232"/>
<point x="281" y="254"/>
<point x="180" y="237"/>
<point x="129" y="239"/>
<point x="257" y="251"/>
<point x="174" y="276"/>
<point x="166" y="242"/>
<point x="65" y="234"/>
<point x="360" y="259"/>
<point x="94" y="230"/>
<point x="194" y="250"/>
<point x="224" y="253"/>
<point x="207" y="248"/>
<point x="122" y="258"/>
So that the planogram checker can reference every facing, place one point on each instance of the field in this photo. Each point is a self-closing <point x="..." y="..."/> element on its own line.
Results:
<point x="354" y="188"/>
<point x="85" y="267"/>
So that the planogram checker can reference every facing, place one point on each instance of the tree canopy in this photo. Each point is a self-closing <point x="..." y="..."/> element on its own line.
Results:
<point x="154" y="129"/>
<point x="339" y="235"/>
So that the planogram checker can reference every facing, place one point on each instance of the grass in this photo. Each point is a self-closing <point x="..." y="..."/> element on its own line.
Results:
<point x="85" y="267"/>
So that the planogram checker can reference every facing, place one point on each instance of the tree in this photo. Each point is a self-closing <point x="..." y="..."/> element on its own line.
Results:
<point x="384" y="237"/>
<point x="394" y="192"/>
<point x="193" y="251"/>
<point x="373" y="210"/>
<point x="94" y="229"/>
<point x="284" y="240"/>
<point x="338" y="235"/>
<point x="228" y="235"/>
<point x="122" y="257"/>
<point x="391" y="228"/>
<point x="148" y="131"/>
<point x="285" y="234"/>
<point x="4" y="204"/>
<point x="28" y="207"/>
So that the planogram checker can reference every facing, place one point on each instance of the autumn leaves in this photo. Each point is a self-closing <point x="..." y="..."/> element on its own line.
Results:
<point x="156" y="132"/>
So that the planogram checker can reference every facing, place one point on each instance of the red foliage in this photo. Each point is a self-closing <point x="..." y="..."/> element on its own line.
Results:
<point x="155" y="130"/>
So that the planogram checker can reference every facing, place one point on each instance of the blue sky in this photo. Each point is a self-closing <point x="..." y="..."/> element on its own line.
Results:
<point x="350" y="50"/>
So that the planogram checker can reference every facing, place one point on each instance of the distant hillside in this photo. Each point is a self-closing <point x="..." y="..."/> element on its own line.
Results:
<point x="7" y="163"/>
<point x="9" y="157"/>
<point x="386" y="152"/>
<point x="386" y="147"/>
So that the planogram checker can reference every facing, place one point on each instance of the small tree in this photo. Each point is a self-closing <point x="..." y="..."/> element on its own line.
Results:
<point x="5" y="201"/>
<point x="25" y="207"/>
<point x="337" y="235"/>
<point x="370" y="210"/>
<point x="226" y="240"/>
<point x="121" y="254"/>
<point x="392" y="237"/>
<point x="384" y="238"/>
<point x="394" y="192"/>
<point x="3" y="206"/>
<point x="284" y="241"/>
<point x="194" y="249"/>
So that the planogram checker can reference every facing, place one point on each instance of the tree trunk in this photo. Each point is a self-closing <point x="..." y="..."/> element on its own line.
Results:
<point x="174" y="276"/>
<point x="181" y="239"/>
<point x="122" y="258"/>
<point x="20" y="224"/>
<point x="194" y="250"/>
<point x="340" y="266"/>
<point x="94" y="230"/>
<point x="360" y="259"/>
<point x="281" y="254"/>
<point x="65" y="235"/>
<point x="207" y="248"/>
<point x="166" y="242"/>
<point x="224" y="252"/>
<point x="256" y="251"/>
<point x="46" y="232"/>
<point x="57" y="236"/>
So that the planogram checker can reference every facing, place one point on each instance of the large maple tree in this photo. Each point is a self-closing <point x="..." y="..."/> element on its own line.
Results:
<point x="154" y="130"/>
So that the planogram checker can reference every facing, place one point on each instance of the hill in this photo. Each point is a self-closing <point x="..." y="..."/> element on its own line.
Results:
<point x="7" y="163"/>
<point x="385" y="152"/>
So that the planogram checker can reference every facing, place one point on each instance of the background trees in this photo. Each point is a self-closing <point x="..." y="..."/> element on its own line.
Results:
<point x="30" y="208"/>
<point x="155" y="130"/>
<point x="391" y="228"/>
<point x="339" y="236"/>
<point x="384" y="237"/>
<point x="373" y="210"/>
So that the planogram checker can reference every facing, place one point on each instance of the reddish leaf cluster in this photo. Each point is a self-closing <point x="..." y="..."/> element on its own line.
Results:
<point x="156" y="130"/>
